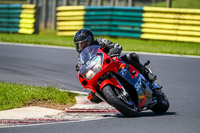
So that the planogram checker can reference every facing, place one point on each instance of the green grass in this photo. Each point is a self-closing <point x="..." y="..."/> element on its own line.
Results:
<point x="15" y="95"/>
<point x="44" y="38"/>
<point x="159" y="46"/>
<point x="48" y="37"/>
<point x="180" y="4"/>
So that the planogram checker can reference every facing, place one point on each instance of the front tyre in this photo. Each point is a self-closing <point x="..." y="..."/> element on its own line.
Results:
<point x="121" y="102"/>
<point x="162" y="104"/>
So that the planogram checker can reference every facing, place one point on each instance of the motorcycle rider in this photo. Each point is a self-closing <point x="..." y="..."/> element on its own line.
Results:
<point x="85" y="37"/>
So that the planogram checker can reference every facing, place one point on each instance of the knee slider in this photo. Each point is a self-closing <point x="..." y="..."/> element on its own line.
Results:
<point x="134" y="57"/>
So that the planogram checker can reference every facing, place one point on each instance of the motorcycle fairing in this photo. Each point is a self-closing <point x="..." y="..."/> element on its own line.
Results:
<point x="128" y="72"/>
<point x="111" y="81"/>
<point x="106" y="67"/>
<point x="139" y="83"/>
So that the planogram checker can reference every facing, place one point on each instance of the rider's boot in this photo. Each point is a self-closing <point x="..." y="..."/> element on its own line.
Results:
<point x="147" y="74"/>
<point x="152" y="77"/>
<point x="93" y="98"/>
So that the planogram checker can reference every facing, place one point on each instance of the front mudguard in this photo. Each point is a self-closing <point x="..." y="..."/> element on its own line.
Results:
<point x="111" y="81"/>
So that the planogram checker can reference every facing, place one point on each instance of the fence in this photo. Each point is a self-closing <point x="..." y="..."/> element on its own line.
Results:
<point x="18" y="18"/>
<point x="137" y="22"/>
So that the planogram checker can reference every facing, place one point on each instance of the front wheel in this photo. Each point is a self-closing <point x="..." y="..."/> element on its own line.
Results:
<point x="162" y="104"/>
<point x="120" y="100"/>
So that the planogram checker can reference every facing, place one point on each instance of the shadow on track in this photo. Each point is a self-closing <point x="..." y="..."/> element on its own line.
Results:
<point x="146" y="114"/>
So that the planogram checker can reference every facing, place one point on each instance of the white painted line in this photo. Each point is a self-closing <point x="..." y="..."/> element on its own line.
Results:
<point x="78" y="92"/>
<point x="70" y="48"/>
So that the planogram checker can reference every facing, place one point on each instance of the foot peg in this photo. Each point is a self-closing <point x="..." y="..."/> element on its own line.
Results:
<point x="152" y="77"/>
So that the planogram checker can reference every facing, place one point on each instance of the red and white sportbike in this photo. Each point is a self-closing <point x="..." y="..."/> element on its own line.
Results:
<point x="119" y="84"/>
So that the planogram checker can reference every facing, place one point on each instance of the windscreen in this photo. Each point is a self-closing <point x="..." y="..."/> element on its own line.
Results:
<point x="90" y="61"/>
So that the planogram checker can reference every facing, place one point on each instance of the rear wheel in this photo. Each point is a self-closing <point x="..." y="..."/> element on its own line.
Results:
<point x="121" y="100"/>
<point x="162" y="104"/>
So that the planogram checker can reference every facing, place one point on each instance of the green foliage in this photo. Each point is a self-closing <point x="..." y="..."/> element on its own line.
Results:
<point x="15" y="95"/>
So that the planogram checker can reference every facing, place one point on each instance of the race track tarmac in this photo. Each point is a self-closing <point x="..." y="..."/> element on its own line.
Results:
<point x="179" y="77"/>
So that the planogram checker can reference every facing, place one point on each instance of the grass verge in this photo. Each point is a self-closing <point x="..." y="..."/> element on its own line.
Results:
<point x="15" y="96"/>
<point x="180" y="4"/>
<point x="129" y="44"/>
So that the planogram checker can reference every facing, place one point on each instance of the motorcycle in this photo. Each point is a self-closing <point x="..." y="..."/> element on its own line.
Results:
<point x="119" y="84"/>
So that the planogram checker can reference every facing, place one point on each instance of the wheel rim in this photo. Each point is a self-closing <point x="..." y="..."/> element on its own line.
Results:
<point x="124" y="97"/>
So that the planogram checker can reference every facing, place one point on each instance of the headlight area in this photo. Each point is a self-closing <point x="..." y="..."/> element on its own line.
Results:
<point x="93" y="71"/>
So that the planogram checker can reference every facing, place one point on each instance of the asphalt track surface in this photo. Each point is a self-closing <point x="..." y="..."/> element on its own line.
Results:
<point x="46" y="66"/>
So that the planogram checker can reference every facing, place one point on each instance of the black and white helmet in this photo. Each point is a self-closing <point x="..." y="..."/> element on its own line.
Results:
<point x="82" y="39"/>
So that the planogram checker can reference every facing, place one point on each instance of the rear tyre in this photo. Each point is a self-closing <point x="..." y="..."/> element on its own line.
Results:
<point x="123" y="104"/>
<point x="162" y="104"/>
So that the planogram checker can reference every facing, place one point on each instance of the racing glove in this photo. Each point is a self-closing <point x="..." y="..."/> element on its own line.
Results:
<point x="114" y="51"/>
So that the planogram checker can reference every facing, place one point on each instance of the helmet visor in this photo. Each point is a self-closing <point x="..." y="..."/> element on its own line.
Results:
<point x="80" y="45"/>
